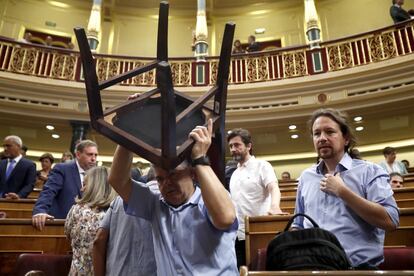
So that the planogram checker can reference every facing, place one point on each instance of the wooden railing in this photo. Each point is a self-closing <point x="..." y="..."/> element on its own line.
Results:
<point x="361" y="49"/>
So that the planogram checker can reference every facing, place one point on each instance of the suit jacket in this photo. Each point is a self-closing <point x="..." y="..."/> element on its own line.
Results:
<point x="21" y="179"/>
<point x="60" y="190"/>
<point x="398" y="14"/>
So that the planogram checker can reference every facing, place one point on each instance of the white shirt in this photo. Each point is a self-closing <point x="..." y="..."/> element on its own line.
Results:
<point x="81" y="172"/>
<point x="248" y="188"/>
<point x="16" y="160"/>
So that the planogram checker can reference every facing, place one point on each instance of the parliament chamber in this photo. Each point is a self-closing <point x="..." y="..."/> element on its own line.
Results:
<point x="362" y="64"/>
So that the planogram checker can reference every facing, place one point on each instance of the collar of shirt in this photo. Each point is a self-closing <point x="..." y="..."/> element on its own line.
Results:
<point x="17" y="159"/>
<point x="343" y="165"/>
<point x="398" y="6"/>
<point x="81" y="171"/>
<point x="194" y="199"/>
<point x="245" y="164"/>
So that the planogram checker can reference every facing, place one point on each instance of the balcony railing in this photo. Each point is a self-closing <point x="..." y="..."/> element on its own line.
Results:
<point x="345" y="53"/>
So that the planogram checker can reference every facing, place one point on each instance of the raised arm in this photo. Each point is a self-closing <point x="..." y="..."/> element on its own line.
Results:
<point x="120" y="174"/>
<point x="216" y="198"/>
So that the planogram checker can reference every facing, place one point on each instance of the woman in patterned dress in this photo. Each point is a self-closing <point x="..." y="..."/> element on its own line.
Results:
<point x="84" y="217"/>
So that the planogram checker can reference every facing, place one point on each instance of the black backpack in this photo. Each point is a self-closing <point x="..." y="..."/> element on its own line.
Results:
<point x="306" y="249"/>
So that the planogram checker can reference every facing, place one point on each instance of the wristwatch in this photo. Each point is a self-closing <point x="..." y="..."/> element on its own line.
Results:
<point x="203" y="160"/>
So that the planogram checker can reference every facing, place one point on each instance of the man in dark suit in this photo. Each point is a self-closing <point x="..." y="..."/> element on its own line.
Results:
<point x="253" y="45"/>
<point x="64" y="185"/>
<point x="17" y="174"/>
<point x="397" y="13"/>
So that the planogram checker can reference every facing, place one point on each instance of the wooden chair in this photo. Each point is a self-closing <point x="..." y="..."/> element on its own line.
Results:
<point x="49" y="264"/>
<point x="157" y="123"/>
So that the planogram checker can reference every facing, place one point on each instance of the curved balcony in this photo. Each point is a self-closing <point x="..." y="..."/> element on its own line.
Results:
<point x="362" y="49"/>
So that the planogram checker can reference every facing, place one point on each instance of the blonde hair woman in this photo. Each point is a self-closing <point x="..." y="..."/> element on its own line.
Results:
<point x="84" y="217"/>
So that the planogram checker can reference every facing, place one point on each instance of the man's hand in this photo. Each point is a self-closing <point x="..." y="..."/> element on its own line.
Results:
<point x="11" y="196"/>
<point x="276" y="211"/>
<point x="39" y="220"/>
<point x="134" y="96"/>
<point x="332" y="184"/>
<point x="202" y="138"/>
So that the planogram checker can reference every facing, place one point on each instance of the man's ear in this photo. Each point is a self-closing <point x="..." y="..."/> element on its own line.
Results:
<point x="77" y="154"/>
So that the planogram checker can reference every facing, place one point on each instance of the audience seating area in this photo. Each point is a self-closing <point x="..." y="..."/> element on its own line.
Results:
<point x="17" y="236"/>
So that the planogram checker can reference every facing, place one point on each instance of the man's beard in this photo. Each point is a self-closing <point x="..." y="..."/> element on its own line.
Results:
<point x="327" y="153"/>
<point x="238" y="157"/>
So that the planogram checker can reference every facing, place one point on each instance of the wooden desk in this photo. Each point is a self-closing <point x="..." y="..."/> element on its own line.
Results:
<point x="405" y="203"/>
<point x="404" y="193"/>
<point x="288" y="185"/>
<point x="408" y="184"/>
<point x="287" y="201"/>
<point x="35" y="193"/>
<point x="17" y="213"/>
<point x="244" y="271"/>
<point x="24" y="227"/>
<point x="407" y="216"/>
<point x="24" y="203"/>
<point x="17" y="236"/>
<point x="261" y="230"/>
<point x="288" y="191"/>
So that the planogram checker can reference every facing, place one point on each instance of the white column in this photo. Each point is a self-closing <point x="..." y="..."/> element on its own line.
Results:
<point x="94" y="25"/>
<point x="201" y="33"/>
<point x="312" y="28"/>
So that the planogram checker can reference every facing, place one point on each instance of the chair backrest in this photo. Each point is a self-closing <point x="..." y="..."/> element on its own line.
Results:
<point x="398" y="258"/>
<point x="50" y="264"/>
<point x="157" y="128"/>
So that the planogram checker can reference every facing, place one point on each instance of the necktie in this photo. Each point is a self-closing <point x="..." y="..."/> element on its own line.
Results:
<point x="10" y="168"/>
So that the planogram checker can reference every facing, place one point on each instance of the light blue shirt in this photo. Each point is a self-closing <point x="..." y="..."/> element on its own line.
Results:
<point x="185" y="240"/>
<point x="130" y="250"/>
<point x="363" y="243"/>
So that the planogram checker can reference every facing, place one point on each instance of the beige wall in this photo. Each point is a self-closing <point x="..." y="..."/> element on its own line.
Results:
<point x="136" y="34"/>
<point x="30" y="14"/>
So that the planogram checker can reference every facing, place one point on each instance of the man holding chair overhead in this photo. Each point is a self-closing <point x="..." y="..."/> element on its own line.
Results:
<point x="194" y="224"/>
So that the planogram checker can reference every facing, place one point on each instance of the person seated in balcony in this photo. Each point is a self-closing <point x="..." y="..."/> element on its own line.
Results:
<point x="396" y="180"/>
<point x="17" y="174"/>
<point x="390" y="164"/>
<point x="398" y="14"/>
<point x="253" y="45"/>
<point x="27" y="38"/>
<point x="237" y="48"/>
<point x="46" y="161"/>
